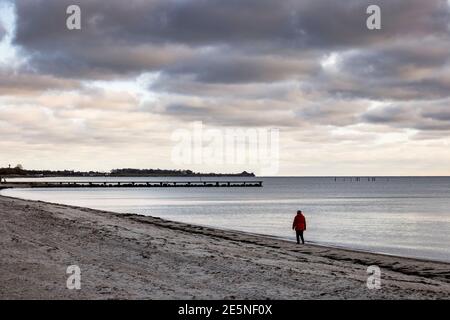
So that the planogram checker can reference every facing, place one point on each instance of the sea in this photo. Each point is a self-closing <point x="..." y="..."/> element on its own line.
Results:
<point x="403" y="216"/>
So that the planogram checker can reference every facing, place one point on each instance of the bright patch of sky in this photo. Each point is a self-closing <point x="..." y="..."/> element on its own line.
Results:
<point x="137" y="87"/>
<point x="331" y="62"/>
<point x="8" y="54"/>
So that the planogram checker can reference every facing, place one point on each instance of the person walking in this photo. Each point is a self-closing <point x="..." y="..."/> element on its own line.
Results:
<point x="299" y="225"/>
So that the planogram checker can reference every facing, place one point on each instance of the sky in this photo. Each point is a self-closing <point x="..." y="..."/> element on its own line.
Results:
<point x="345" y="100"/>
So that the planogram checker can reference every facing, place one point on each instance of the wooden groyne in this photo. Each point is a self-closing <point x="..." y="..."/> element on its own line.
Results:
<point x="131" y="184"/>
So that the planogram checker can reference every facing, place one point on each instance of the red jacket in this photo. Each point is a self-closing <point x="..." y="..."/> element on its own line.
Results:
<point x="299" y="222"/>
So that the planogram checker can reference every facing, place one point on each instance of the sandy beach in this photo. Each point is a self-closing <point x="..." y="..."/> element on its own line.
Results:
<point x="138" y="257"/>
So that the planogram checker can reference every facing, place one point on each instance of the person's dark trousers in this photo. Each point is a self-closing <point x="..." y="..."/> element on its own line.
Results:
<point x="300" y="235"/>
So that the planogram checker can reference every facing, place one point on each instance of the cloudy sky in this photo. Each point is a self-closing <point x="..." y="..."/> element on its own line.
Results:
<point x="347" y="100"/>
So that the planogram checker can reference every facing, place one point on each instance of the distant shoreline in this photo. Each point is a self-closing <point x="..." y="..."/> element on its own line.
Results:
<point x="124" y="176"/>
<point x="128" y="256"/>
<point x="211" y="175"/>
<point x="19" y="172"/>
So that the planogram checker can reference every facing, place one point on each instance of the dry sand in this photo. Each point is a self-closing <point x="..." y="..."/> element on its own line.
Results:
<point x="137" y="257"/>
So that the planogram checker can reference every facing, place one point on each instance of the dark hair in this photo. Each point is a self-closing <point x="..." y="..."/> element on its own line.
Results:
<point x="299" y="211"/>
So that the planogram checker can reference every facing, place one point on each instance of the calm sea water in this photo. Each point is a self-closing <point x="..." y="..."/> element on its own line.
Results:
<point x="400" y="216"/>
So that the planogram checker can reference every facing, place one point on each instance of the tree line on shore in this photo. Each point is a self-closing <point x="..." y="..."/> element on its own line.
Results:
<point x="19" y="171"/>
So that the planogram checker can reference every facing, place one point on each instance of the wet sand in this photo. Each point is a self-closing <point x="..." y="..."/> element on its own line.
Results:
<point x="136" y="257"/>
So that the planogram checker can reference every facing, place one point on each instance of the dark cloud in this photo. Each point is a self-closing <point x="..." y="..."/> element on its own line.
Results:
<point x="431" y="116"/>
<point x="396" y="59"/>
<point x="387" y="89"/>
<point x="207" y="22"/>
<point x="404" y="70"/>
<point x="222" y="68"/>
<point x="440" y="114"/>
<point x="251" y="26"/>
<point x="255" y="62"/>
<point x="104" y="62"/>
<point x="387" y="115"/>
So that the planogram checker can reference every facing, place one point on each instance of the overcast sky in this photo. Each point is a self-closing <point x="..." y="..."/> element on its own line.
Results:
<point x="347" y="100"/>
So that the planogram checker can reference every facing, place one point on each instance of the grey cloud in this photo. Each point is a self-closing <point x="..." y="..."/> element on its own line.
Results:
<point x="431" y="135"/>
<point x="263" y="112"/>
<point x="332" y="112"/>
<point x="440" y="114"/>
<point x="231" y="63"/>
<point x="185" y="85"/>
<point x="254" y="26"/>
<point x="2" y="31"/>
<point x="385" y="89"/>
<point x="200" y="22"/>
<point x="424" y="116"/>
<point x="17" y="83"/>
<point x="404" y="70"/>
<point x="105" y="62"/>
<point x="397" y="58"/>
<point x="254" y="62"/>
<point x="224" y="68"/>
<point x="180" y="109"/>
<point x="386" y="115"/>
<point x="233" y="113"/>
